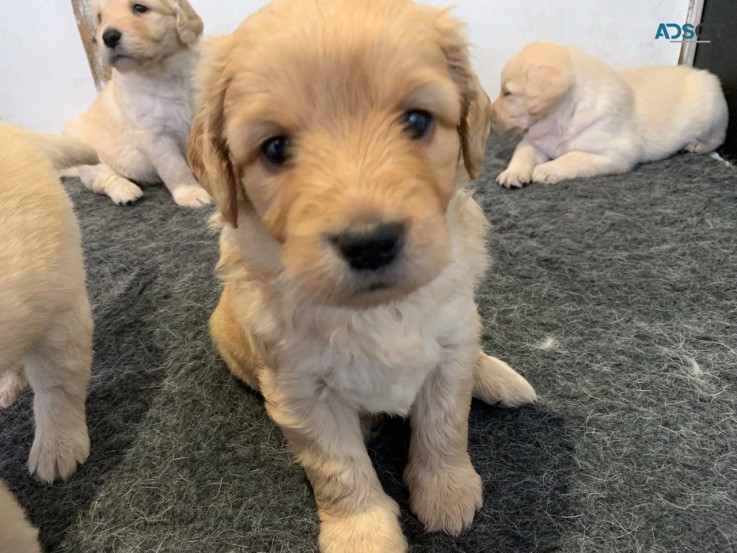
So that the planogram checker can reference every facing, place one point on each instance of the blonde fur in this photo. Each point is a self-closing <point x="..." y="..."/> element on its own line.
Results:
<point x="16" y="533"/>
<point x="45" y="320"/>
<point x="325" y="344"/>
<point x="582" y="119"/>
<point x="140" y="122"/>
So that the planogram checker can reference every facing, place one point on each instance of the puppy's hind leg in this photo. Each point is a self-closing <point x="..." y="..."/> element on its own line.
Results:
<point x="12" y="383"/>
<point x="101" y="179"/>
<point x="707" y="143"/>
<point x="495" y="382"/>
<point x="234" y="344"/>
<point x="59" y="371"/>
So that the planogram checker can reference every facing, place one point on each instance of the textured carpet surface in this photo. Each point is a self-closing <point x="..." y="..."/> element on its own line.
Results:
<point x="616" y="297"/>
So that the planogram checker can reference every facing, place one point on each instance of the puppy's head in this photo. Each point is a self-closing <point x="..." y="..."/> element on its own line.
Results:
<point x="338" y="131"/>
<point x="533" y="84"/>
<point x="141" y="34"/>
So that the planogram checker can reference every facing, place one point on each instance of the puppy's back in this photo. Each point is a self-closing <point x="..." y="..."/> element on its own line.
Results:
<point x="39" y="235"/>
<point x="676" y="106"/>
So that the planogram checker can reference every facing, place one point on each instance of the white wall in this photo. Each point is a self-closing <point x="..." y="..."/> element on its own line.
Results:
<point x="620" y="32"/>
<point x="45" y="80"/>
<point x="44" y="75"/>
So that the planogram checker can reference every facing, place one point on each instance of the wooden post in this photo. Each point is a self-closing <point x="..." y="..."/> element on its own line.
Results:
<point x="86" y="24"/>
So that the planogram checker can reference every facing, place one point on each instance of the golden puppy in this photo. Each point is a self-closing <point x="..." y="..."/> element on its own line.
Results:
<point x="336" y="138"/>
<point x="581" y="118"/>
<point x="16" y="533"/>
<point x="139" y="123"/>
<point x="45" y="321"/>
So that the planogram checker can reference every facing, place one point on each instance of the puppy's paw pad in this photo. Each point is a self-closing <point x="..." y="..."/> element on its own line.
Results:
<point x="12" y="384"/>
<point x="495" y="382"/>
<point x="545" y="174"/>
<point x="513" y="179"/>
<point x="375" y="530"/>
<point x="124" y="192"/>
<point x="444" y="499"/>
<point x="191" y="196"/>
<point x="56" y="455"/>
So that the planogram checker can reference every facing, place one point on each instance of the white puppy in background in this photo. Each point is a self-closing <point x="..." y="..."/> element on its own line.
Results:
<point x="139" y="124"/>
<point x="45" y="319"/>
<point x="581" y="118"/>
<point x="16" y="533"/>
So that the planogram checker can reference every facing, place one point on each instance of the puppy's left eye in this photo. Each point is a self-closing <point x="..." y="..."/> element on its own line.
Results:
<point x="139" y="8"/>
<point x="418" y="123"/>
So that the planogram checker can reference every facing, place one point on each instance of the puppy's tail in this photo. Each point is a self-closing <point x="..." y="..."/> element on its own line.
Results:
<point x="65" y="152"/>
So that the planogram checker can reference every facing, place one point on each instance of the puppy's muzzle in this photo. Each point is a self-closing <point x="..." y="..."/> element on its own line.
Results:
<point x="371" y="248"/>
<point x="111" y="37"/>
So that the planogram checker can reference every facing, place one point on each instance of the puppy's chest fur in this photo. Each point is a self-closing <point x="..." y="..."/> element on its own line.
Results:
<point x="377" y="360"/>
<point x="160" y="104"/>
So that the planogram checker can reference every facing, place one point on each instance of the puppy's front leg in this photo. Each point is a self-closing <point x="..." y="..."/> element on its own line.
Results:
<point x="172" y="167"/>
<point x="325" y="434"/>
<point x="102" y="179"/>
<point x="577" y="164"/>
<point x="520" y="168"/>
<point x="445" y="490"/>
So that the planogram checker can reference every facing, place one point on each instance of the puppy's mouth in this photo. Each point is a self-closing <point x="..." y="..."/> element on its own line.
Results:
<point x="377" y="291"/>
<point x="119" y="58"/>
<point x="376" y="287"/>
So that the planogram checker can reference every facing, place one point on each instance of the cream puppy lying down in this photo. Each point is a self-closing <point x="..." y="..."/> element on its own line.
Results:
<point x="581" y="118"/>
<point x="45" y="321"/>
<point x="16" y="533"/>
<point x="351" y="247"/>
<point x="139" y="123"/>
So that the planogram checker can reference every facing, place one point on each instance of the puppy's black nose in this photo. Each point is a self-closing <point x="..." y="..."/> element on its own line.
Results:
<point x="372" y="248"/>
<point x="111" y="37"/>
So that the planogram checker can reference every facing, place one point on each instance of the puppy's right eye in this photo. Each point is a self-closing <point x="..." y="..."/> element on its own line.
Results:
<point x="506" y="93"/>
<point x="139" y="8"/>
<point x="277" y="150"/>
<point x="99" y="18"/>
<point x="418" y="123"/>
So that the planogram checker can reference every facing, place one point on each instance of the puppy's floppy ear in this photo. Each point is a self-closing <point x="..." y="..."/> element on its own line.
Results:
<point x="189" y="24"/>
<point x="208" y="153"/>
<point x="545" y="85"/>
<point x="475" y="104"/>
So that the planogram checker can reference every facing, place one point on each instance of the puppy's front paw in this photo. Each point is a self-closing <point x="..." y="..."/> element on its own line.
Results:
<point x="547" y="173"/>
<point x="513" y="178"/>
<point x="375" y="530"/>
<point x="497" y="382"/>
<point x="12" y="383"/>
<point x="56" y="453"/>
<point x="191" y="196"/>
<point x="444" y="498"/>
<point x="123" y="192"/>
